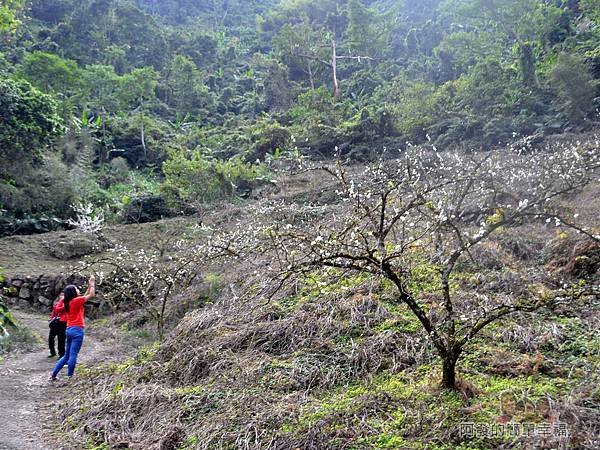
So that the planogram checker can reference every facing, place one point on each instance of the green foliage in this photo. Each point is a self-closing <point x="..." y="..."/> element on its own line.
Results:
<point x="268" y="137"/>
<point x="408" y="405"/>
<point x="8" y="14"/>
<point x="495" y="218"/>
<point x="12" y="336"/>
<point x="425" y="277"/>
<point x="189" y="179"/>
<point x="50" y="73"/>
<point x="193" y="177"/>
<point x="591" y="8"/>
<point x="413" y="104"/>
<point x="214" y="284"/>
<point x="20" y="339"/>
<point x="117" y="186"/>
<point x="317" y="14"/>
<point x="368" y="31"/>
<point x="459" y="51"/>
<point x="292" y="42"/>
<point x="187" y="92"/>
<point x="574" y="86"/>
<point x="138" y="86"/>
<point x="28" y="124"/>
<point x="101" y="89"/>
<point x="112" y="32"/>
<point x="123" y="137"/>
<point x="310" y="103"/>
<point x="253" y="79"/>
<point x="319" y="121"/>
<point x="488" y="106"/>
<point x="6" y="320"/>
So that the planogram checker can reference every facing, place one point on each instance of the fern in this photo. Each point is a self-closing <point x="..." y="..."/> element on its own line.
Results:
<point x="6" y="321"/>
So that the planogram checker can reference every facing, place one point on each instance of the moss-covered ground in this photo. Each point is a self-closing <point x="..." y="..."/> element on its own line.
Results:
<point x="338" y="364"/>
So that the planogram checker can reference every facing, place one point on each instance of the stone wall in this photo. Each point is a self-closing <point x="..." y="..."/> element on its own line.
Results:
<point x="36" y="293"/>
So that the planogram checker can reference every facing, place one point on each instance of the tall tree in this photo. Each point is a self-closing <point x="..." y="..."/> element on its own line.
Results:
<point x="138" y="87"/>
<point x="28" y="124"/>
<point x="291" y="42"/>
<point x="515" y="30"/>
<point x="100" y="89"/>
<point x="368" y="30"/>
<point x="187" y="91"/>
<point x="51" y="73"/>
<point x="314" y="34"/>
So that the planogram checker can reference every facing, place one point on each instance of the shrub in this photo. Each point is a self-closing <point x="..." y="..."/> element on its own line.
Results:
<point x="268" y="136"/>
<point x="413" y="105"/>
<point x="475" y="107"/>
<point x="6" y="320"/>
<point x="117" y="171"/>
<point x="29" y="123"/>
<point x="46" y="188"/>
<point x="240" y="176"/>
<point x="196" y="178"/>
<point x="88" y="219"/>
<point x="318" y="121"/>
<point x="189" y="178"/>
<point x="574" y="87"/>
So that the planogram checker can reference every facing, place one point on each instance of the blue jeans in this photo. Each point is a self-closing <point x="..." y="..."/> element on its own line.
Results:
<point x="74" y="341"/>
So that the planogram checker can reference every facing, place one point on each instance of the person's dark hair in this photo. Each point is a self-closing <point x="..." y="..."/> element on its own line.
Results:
<point x="70" y="293"/>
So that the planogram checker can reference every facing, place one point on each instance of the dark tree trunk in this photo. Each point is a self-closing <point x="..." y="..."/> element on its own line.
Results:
<point x="527" y="60"/>
<point x="449" y="371"/>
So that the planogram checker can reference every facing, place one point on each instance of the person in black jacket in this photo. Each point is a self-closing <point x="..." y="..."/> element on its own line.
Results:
<point x="58" y="327"/>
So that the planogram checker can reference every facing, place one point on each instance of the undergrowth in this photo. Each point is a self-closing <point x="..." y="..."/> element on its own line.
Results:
<point x="337" y="363"/>
<point x="20" y="340"/>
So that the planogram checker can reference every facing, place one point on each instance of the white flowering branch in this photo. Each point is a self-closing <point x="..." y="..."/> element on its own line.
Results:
<point x="88" y="219"/>
<point x="147" y="279"/>
<point x="434" y="207"/>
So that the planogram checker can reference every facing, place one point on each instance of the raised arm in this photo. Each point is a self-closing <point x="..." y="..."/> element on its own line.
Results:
<point x="91" y="290"/>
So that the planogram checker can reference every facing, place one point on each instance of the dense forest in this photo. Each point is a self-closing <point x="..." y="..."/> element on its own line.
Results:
<point x="300" y="224"/>
<point x="106" y="101"/>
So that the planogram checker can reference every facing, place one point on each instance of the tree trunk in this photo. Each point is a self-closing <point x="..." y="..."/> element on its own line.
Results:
<point x="527" y="62"/>
<point x="449" y="370"/>
<point x="311" y="77"/>
<point x="336" y="87"/>
<point x="160" y="329"/>
<point x="142" y="134"/>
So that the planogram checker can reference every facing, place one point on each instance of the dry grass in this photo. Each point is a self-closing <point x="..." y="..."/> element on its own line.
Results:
<point x="239" y="374"/>
<point x="234" y="373"/>
<point x="344" y="369"/>
<point x="249" y="374"/>
<point x="43" y="254"/>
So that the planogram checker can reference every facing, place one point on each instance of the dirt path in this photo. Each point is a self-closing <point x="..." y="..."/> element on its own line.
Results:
<point x="27" y="397"/>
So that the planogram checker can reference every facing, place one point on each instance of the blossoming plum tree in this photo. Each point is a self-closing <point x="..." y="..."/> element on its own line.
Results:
<point x="147" y="278"/>
<point x="435" y="208"/>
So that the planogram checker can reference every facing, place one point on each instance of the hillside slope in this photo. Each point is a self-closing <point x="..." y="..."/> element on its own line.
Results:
<point x="334" y="363"/>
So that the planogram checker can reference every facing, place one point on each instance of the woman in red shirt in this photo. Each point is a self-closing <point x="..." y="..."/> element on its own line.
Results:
<point x="58" y="327"/>
<point x="74" y="302"/>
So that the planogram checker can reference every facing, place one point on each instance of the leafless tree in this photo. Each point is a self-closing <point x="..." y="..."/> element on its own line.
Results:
<point x="433" y="209"/>
<point x="148" y="278"/>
